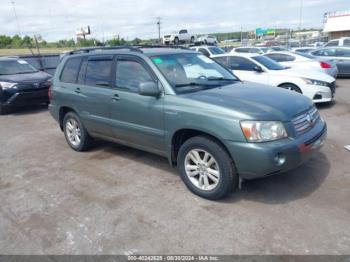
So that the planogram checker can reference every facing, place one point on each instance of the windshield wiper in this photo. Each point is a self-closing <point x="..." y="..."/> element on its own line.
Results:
<point x="193" y="84"/>
<point x="212" y="78"/>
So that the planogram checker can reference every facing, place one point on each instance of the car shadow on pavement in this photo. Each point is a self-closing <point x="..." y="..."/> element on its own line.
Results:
<point x="105" y="149"/>
<point x="277" y="189"/>
<point x="28" y="110"/>
<point x="282" y="188"/>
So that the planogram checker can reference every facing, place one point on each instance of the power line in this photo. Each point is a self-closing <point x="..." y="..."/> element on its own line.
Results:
<point x="15" y="13"/>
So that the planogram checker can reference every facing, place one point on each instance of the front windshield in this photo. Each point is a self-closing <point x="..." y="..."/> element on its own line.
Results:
<point x="268" y="63"/>
<point x="189" y="72"/>
<point x="12" y="67"/>
<point x="216" y="50"/>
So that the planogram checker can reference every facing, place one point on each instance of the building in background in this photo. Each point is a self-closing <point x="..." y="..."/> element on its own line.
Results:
<point x="337" y="24"/>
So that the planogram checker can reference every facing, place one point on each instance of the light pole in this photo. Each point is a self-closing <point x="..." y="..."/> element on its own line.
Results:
<point x="158" y="24"/>
<point x="15" y="13"/>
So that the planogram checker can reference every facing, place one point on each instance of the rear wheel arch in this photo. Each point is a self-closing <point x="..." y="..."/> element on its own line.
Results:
<point x="62" y="112"/>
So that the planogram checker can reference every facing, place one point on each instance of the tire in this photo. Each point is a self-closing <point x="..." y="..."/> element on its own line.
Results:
<point x="85" y="140"/>
<point x="291" y="87"/>
<point x="176" y="41"/>
<point x="3" y="110"/>
<point x="192" y="39"/>
<point x="223" y="166"/>
<point x="205" y="42"/>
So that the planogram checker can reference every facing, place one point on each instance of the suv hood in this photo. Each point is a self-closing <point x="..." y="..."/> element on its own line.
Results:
<point x="310" y="74"/>
<point x="250" y="100"/>
<point x="26" y="78"/>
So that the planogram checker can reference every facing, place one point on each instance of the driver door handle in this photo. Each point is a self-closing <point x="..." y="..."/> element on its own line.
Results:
<point x="115" y="97"/>
<point x="77" y="90"/>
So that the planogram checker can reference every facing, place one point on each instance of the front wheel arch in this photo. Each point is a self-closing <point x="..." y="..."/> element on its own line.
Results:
<point x="287" y="84"/>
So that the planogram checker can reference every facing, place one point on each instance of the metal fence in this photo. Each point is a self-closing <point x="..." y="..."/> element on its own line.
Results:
<point x="47" y="63"/>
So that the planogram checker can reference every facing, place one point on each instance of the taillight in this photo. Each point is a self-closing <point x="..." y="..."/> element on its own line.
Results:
<point x="325" y="65"/>
<point x="49" y="93"/>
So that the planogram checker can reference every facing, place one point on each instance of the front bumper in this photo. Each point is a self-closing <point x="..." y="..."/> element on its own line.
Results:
<point x="322" y="94"/>
<point x="27" y="98"/>
<point x="254" y="160"/>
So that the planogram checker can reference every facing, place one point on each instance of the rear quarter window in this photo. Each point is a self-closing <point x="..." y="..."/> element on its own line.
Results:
<point x="71" y="70"/>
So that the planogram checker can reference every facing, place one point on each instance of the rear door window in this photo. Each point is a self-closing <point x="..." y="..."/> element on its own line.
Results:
<point x="222" y="60"/>
<point x="98" y="71"/>
<point x="333" y="43"/>
<point x="347" y="42"/>
<point x="241" y="63"/>
<point x="71" y="70"/>
<point x="242" y="50"/>
<point x="281" y="57"/>
<point x="204" y="51"/>
<point x="343" y="52"/>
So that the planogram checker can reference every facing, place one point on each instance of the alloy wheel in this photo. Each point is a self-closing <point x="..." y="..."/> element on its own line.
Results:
<point x="202" y="169"/>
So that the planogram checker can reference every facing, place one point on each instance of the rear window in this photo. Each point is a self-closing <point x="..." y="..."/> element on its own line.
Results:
<point x="71" y="70"/>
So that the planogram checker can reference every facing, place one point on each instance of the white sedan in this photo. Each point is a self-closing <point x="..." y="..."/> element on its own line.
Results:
<point x="304" y="61"/>
<point x="319" y="87"/>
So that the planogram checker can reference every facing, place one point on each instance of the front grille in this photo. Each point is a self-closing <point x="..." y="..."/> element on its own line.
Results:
<point x="305" y="121"/>
<point x="314" y="139"/>
<point x="332" y="86"/>
<point x="166" y="36"/>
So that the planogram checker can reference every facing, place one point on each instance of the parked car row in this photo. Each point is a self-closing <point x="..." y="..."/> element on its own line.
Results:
<point x="183" y="36"/>
<point x="317" y="86"/>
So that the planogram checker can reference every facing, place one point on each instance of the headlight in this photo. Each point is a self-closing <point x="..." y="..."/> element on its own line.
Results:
<point x="261" y="131"/>
<point x="8" y="85"/>
<point x="315" y="82"/>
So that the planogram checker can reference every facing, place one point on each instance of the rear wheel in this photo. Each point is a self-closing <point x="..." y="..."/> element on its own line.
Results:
<point x="176" y="41"/>
<point x="291" y="87"/>
<point x="192" y="39"/>
<point x="76" y="135"/>
<point x="206" y="168"/>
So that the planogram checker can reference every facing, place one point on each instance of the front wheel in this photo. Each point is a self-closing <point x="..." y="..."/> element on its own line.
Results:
<point x="76" y="135"/>
<point x="206" y="168"/>
<point x="176" y="41"/>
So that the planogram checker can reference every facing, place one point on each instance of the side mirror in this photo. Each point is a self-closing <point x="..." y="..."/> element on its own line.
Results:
<point x="258" y="69"/>
<point x="149" y="88"/>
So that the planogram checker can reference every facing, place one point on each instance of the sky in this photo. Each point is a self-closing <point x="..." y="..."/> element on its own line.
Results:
<point x="59" y="19"/>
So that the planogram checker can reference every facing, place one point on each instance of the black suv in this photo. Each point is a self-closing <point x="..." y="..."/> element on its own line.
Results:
<point x="21" y="84"/>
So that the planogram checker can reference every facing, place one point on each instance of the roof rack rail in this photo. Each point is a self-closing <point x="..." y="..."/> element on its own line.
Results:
<point x="101" y="48"/>
<point x="161" y="46"/>
<point x="134" y="48"/>
<point x="10" y="56"/>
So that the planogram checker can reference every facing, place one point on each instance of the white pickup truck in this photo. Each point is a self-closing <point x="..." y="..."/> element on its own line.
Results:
<point x="177" y="38"/>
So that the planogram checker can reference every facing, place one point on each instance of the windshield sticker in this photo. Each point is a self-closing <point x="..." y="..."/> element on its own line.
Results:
<point x="22" y="62"/>
<point x="205" y="59"/>
<point x="157" y="60"/>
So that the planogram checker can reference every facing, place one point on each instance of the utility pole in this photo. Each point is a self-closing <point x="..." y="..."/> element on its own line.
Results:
<point x="241" y="34"/>
<point x="15" y="13"/>
<point x="158" y="24"/>
<point x="300" y="19"/>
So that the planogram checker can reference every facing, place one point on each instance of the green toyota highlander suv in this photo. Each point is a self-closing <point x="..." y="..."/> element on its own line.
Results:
<point x="182" y="105"/>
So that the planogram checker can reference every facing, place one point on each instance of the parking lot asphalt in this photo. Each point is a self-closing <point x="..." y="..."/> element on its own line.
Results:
<point x="118" y="200"/>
